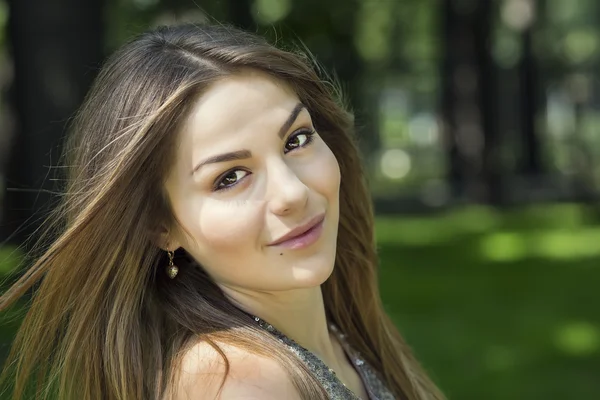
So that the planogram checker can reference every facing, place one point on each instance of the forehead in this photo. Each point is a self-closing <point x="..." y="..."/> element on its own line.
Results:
<point x="235" y="102"/>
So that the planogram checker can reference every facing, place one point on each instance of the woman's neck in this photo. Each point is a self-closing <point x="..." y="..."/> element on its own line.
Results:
<point x="298" y="314"/>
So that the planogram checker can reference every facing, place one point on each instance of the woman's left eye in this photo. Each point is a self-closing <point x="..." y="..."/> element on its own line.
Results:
<point x="300" y="139"/>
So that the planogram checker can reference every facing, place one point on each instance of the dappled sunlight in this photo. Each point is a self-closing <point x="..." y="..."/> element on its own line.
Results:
<point x="436" y="229"/>
<point x="491" y="295"/>
<point x="551" y="231"/>
<point x="503" y="246"/>
<point x="568" y="244"/>
<point x="475" y="219"/>
<point x="558" y="244"/>
<point x="411" y="231"/>
<point x="578" y="339"/>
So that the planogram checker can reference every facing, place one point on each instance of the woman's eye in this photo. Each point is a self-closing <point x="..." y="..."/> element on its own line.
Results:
<point x="230" y="179"/>
<point x="300" y="139"/>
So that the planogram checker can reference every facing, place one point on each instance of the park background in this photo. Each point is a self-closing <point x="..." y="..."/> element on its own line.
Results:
<point x="479" y="123"/>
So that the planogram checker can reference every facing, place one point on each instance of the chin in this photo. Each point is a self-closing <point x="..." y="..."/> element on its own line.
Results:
<point x="311" y="272"/>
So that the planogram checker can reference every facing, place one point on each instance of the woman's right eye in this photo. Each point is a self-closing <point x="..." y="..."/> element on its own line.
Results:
<point x="230" y="179"/>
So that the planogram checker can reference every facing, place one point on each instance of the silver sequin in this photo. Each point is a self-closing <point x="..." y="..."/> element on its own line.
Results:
<point x="326" y="376"/>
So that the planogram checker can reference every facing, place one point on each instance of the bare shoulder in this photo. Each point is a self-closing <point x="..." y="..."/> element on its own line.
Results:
<point x="203" y="371"/>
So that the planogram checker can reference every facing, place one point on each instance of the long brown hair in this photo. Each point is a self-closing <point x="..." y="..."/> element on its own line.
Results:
<point x="105" y="318"/>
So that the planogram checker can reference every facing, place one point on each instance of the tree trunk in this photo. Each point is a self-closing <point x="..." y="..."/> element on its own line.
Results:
<point x="531" y="165"/>
<point x="467" y="104"/>
<point x="57" y="48"/>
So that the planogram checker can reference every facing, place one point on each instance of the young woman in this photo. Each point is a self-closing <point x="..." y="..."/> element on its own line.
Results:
<point x="215" y="239"/>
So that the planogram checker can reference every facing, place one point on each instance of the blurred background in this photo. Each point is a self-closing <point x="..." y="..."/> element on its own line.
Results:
<point x="479" y="123"/>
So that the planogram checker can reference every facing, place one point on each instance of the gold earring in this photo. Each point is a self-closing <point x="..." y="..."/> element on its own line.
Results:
<point x="172" y="269"/>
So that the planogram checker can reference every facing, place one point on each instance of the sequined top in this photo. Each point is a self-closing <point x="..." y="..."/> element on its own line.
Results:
<point x="326" y="376"/>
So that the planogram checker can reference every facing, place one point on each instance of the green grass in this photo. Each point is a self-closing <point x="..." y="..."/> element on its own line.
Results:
<point x="496" y="305"/>
<point x="505" y="309"/>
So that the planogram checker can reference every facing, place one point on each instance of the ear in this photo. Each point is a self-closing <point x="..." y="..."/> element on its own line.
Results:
<point x="165" y="239"/>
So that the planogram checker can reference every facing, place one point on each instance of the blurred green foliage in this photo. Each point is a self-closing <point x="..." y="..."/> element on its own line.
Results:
<point x="497" y="304"/>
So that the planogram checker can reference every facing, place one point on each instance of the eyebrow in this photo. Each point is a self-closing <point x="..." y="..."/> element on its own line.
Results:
<point x="232" y="156"/>
<point x="245" y="154"/>
<point x="291" y="119"/>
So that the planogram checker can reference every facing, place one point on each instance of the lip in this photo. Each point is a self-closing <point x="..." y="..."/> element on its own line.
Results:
<point x="302" y="235"/>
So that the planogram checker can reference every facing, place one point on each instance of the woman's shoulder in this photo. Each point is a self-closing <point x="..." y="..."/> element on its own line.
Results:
<point x="230" y="372"/>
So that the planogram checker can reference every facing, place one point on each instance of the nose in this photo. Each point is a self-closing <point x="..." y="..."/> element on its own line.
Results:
<point x="286" y="191"/>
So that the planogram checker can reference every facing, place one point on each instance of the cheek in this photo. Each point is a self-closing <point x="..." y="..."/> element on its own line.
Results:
<point x="220" y="227"/>
<point x="325" y="174"/>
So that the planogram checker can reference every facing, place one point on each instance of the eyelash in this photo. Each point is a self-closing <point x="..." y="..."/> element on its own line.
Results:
<point x="310" y="133"/>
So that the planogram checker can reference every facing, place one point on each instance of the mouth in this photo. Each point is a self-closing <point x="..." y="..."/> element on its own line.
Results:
<point x="302" y="236"/>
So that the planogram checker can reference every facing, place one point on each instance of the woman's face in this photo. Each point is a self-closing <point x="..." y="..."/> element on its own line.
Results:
<point x="250" y="171"/>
